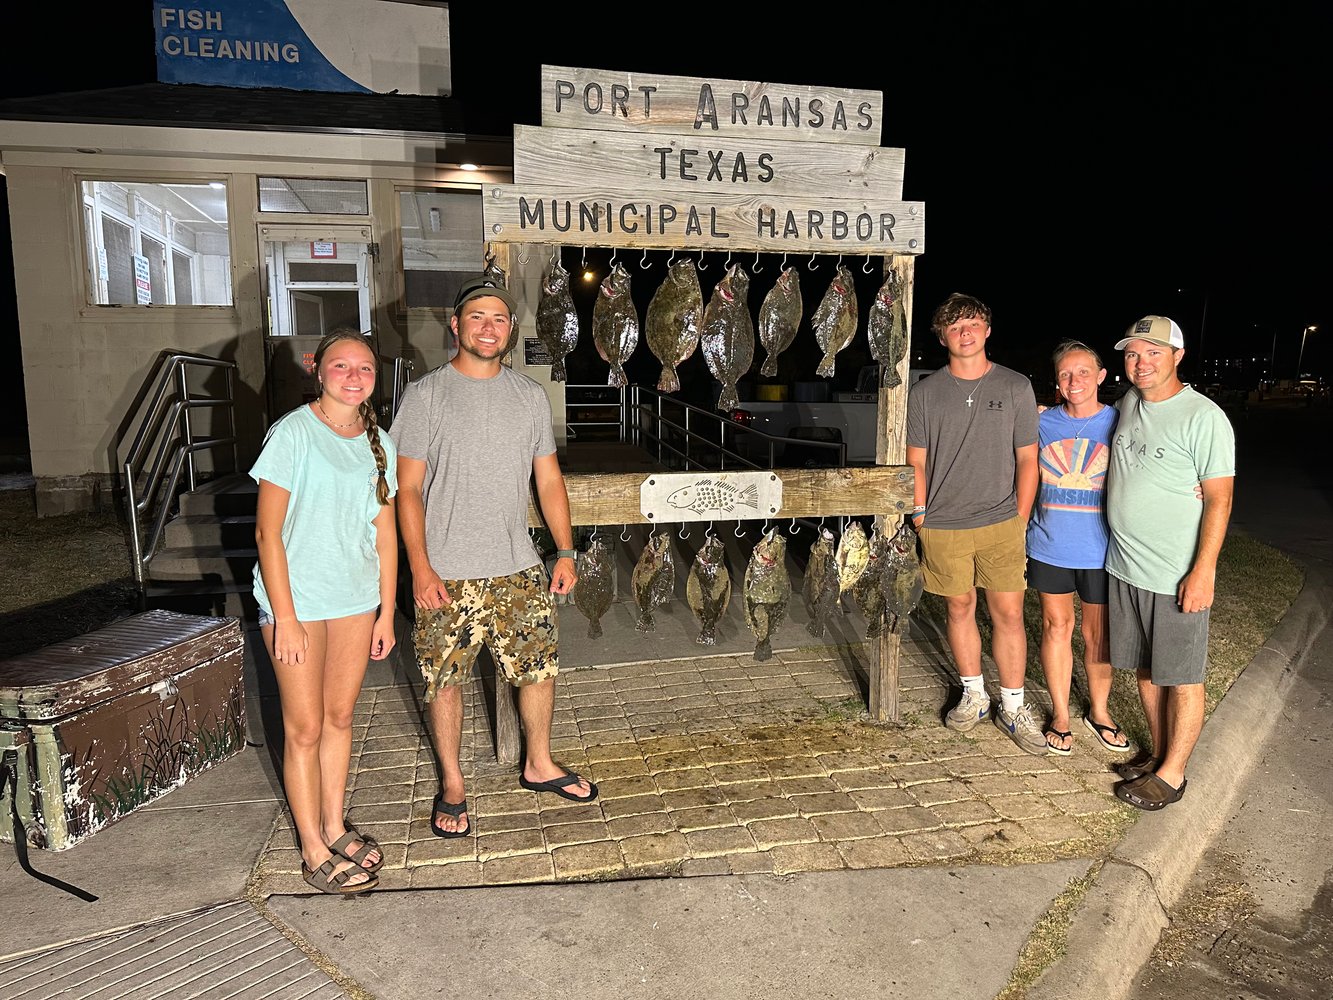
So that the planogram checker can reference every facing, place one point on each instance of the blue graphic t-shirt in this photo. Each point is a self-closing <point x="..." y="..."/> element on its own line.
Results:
<point x="1068" y="524"/>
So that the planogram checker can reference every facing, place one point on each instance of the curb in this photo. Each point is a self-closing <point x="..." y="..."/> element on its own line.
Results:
<point x="1120" y="920"/>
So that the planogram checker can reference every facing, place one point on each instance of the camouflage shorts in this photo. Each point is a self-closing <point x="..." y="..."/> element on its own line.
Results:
<point x="513" y="616"/>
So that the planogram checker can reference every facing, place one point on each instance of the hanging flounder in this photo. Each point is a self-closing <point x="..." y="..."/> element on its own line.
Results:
<point x="779" y="318"/>
<point x="868" y="592"/>
<point x="728" y="334"/>
<point x="853" y="556"/>
<point x="594" y="590"/>
<point x="820" y="586"/>
<point x="835" y="319"/>
<point x="557" y="319"/>
<point x="672" y="323"/>
<point x="766" y="591"/>
<point x="708" y="589"/>
<point x="902" y="579"/>
<point x="886" y="328"/>
<point x="615" y="324"/>
<point x="654" y="579"/>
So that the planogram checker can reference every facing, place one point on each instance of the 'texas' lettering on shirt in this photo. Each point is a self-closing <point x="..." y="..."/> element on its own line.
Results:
<point x="1137" y="449"/>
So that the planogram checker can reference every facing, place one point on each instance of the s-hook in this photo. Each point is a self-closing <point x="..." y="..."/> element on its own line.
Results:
<point x="624" y="534"/>
<point x="738" y="533"/>
<point x="644" y="265"/>
<point x="555" y="253"/>
<point x="701" y="265"/>
<point x="672" y="259"/>
<point x="523" y="256"/>
<point x="866" y="267"/>
<point x="812" y="265"/>
<point x="614" y="251"/>
<point x="708" y="532"/>
<point x="794" y="528"/>
<point x="683" y="533"/>
<point x="755" y="268"/>
<point x="585" y="258"/>
<point x="727" y="265"/>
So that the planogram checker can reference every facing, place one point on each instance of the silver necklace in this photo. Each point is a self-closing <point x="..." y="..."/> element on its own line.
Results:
<point x="973" y="393"/>
<point x="351" y="423"/>
<point x="1078" y="434"/>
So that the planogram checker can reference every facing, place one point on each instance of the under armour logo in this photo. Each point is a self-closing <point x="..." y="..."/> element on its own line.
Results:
<point x="995" y="404"/>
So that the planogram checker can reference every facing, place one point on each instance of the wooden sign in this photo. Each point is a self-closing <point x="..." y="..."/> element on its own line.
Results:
<point x="699" y="163"/>
<point x="647" y="102"/>
<point x="713" y="221"/>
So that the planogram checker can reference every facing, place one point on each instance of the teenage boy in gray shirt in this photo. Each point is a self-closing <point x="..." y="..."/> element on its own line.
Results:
<point x="972" y="442"/>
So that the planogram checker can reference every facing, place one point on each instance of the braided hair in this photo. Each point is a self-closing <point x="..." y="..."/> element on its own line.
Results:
<point x="366" y="411"/>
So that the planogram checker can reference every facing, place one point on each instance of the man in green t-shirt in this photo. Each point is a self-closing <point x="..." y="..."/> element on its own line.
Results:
<point x="1162" y="557"/>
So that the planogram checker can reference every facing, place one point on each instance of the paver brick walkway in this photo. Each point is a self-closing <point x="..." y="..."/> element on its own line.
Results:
<point x="716" y="765"/>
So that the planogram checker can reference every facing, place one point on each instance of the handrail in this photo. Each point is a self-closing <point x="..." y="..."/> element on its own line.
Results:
<point x="166" y="436"/>
<point x="402" y="374"/>
<point x="622" y="418"/>
<point x="654" y="414"/>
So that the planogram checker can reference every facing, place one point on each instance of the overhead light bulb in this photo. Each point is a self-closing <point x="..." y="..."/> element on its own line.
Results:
<point x="467" y="166"/>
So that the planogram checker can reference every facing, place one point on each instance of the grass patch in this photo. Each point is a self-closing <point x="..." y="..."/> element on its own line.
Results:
<point x="1046" y="944"/>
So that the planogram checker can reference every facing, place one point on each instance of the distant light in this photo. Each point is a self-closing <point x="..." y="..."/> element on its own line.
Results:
<point x="589" y="276"/>
<point x="216" y="185"/>
<point x="468" y="166"/>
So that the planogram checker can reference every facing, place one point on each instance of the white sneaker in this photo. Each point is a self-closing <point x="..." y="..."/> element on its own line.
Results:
<point x="972" y="708"/>
<point x="1023" y="730"/>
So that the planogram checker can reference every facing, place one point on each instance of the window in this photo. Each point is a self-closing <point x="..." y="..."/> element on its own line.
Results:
<point x="442" y="244"/>
<point x="157" y="243"/>
<point x="313" y="196"/>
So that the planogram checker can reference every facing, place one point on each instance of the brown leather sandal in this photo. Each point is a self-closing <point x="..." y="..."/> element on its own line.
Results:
<point x="358" y="858"/>
<point x="328" y="879"/>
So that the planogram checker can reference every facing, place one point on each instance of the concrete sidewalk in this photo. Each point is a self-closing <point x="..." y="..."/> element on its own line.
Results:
<point x="829" y="855"/>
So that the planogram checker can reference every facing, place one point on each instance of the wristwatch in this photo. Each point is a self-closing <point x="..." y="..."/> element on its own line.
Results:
<point x="565" y="553"/>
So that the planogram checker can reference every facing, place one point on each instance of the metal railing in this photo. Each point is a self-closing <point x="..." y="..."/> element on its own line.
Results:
<point x="606" y="403"/>
<point x="681" y="438"/>
<point x="402" y="374"/>
<point x="165" y="444"/>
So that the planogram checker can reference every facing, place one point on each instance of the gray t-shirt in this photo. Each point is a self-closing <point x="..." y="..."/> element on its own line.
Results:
<point x="1160" y="452"/>
<point x="478" y="438"/>
<point x="970" y="449"/>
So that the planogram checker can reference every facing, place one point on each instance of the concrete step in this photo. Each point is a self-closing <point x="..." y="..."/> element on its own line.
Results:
<point x="201" y="562"/>
<point x="204" y="597"/>
<point x="225" y="496"/>
<point x="231" y="531"/>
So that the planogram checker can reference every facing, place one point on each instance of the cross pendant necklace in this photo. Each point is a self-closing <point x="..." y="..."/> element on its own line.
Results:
<point x="971" y="394"/>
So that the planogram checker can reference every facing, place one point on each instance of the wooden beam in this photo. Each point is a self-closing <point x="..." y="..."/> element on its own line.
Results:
<point x="613" y="497"/>
<point x="691" y="164"/>
<point x="708" y="220"/>
<point x="573" y="97"/>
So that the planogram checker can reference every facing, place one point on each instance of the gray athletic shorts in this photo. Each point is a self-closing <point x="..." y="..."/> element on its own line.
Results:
<point x="1150" y="632"/>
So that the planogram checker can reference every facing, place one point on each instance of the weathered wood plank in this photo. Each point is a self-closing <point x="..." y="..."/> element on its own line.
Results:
<point x="891" y="451"/>
<point x="610" y="217"/>
<point x="613" y="497"/>
<point x="611" y="100"/>
<point x="687" y="165"/>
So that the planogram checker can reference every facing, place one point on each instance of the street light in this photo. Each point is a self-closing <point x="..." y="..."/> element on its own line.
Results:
<point x="1308" y="330"/>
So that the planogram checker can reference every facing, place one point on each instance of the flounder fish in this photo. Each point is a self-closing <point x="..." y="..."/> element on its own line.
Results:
<point x="708" y="589"/>
<point x="615" y="324"/>
<point x="780" y="318"/>
<point x="902" y="580"/>
<point x="557" y="319"/>
<point x="868" y="592"/>
<point x="886" y="329"/>
<point x="654" y="579"/>
<point x="835" y="319"/>
<point x="852" y="557"/>
<point x="728" y="334"/>
<point x="594" y="591"/>
<point x="820" y="585"/>
<point x="766" y="591"/>
<point x="672" y="323"/>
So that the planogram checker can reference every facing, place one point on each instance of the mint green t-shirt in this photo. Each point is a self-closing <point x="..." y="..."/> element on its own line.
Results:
<point x="329" y="535"/>
<point x="1160" y="452"/>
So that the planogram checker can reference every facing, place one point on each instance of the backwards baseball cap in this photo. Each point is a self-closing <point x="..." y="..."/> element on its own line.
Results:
<point x="474" y="288"/>
<point x="1157" y="330"/>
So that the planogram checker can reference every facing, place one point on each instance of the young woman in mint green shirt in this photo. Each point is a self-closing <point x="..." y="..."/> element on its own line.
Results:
<point x="326" y="586"/>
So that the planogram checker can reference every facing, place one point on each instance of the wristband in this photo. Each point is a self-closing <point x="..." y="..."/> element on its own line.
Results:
<point x="565" y="553"/>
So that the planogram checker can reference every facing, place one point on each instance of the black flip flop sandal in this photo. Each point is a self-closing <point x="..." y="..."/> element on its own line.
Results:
<point x="1098" y="729"/>
<point x="454" y="809"/>
<point x="1063" y="735"/>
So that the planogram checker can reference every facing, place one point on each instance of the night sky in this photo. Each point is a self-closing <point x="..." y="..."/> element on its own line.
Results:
<point x="1082" y="165"/>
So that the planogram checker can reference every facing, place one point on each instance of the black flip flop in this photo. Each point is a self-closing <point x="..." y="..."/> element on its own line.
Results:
<point x="558" y="786"/>
<point x="1063" y="735"/>
<point x="1098" y="729"/>
<point x="454" y="809"/>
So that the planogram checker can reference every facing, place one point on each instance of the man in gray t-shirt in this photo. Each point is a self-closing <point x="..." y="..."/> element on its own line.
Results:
<point x="470" y="435"/>
<point x="972" y="442"/>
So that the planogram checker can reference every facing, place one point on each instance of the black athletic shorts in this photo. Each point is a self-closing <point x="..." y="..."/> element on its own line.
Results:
<point x="1047" y="579"/>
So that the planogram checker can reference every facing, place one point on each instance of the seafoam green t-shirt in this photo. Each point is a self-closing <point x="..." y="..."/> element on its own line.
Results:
<point x="328" y="533"/>
<point x="1160" y="452"/>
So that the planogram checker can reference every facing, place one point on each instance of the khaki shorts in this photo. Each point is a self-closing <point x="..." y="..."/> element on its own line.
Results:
<point x="513" y="616"/>
<point x="954" y="560"/>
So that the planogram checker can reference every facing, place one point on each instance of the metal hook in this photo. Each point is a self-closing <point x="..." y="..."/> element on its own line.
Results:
<point x="614" y="251"/>
<point x="555" y="252"/>
<point x="754" y="268"/>
<point x="523" y="255"/>
<point x="794" y="528"/>
<point x="624" y="535"/>
<point x="812" y="265"/>
<point x="683" y="533"/>
<point x="489" y="255"/>
<point x="738" y="533"/>
<point x="839" y="264"/>
<point x="763" y="529"/>
<point x="644" y="265"/>
<point x="727" y="265"/>
<point x="867" y="268"/>
<point x="708" y="532"/>
<point x="783" y="265"/>
<point x="672" y="259"/>
<point x="593" y="534"/>
<point x="701" y="265"/>
<point x="585" y="258"/>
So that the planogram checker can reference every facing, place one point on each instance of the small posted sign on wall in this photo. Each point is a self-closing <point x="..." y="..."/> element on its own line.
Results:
<point x="143" y="283"/>
<point x="323" y="250"/>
